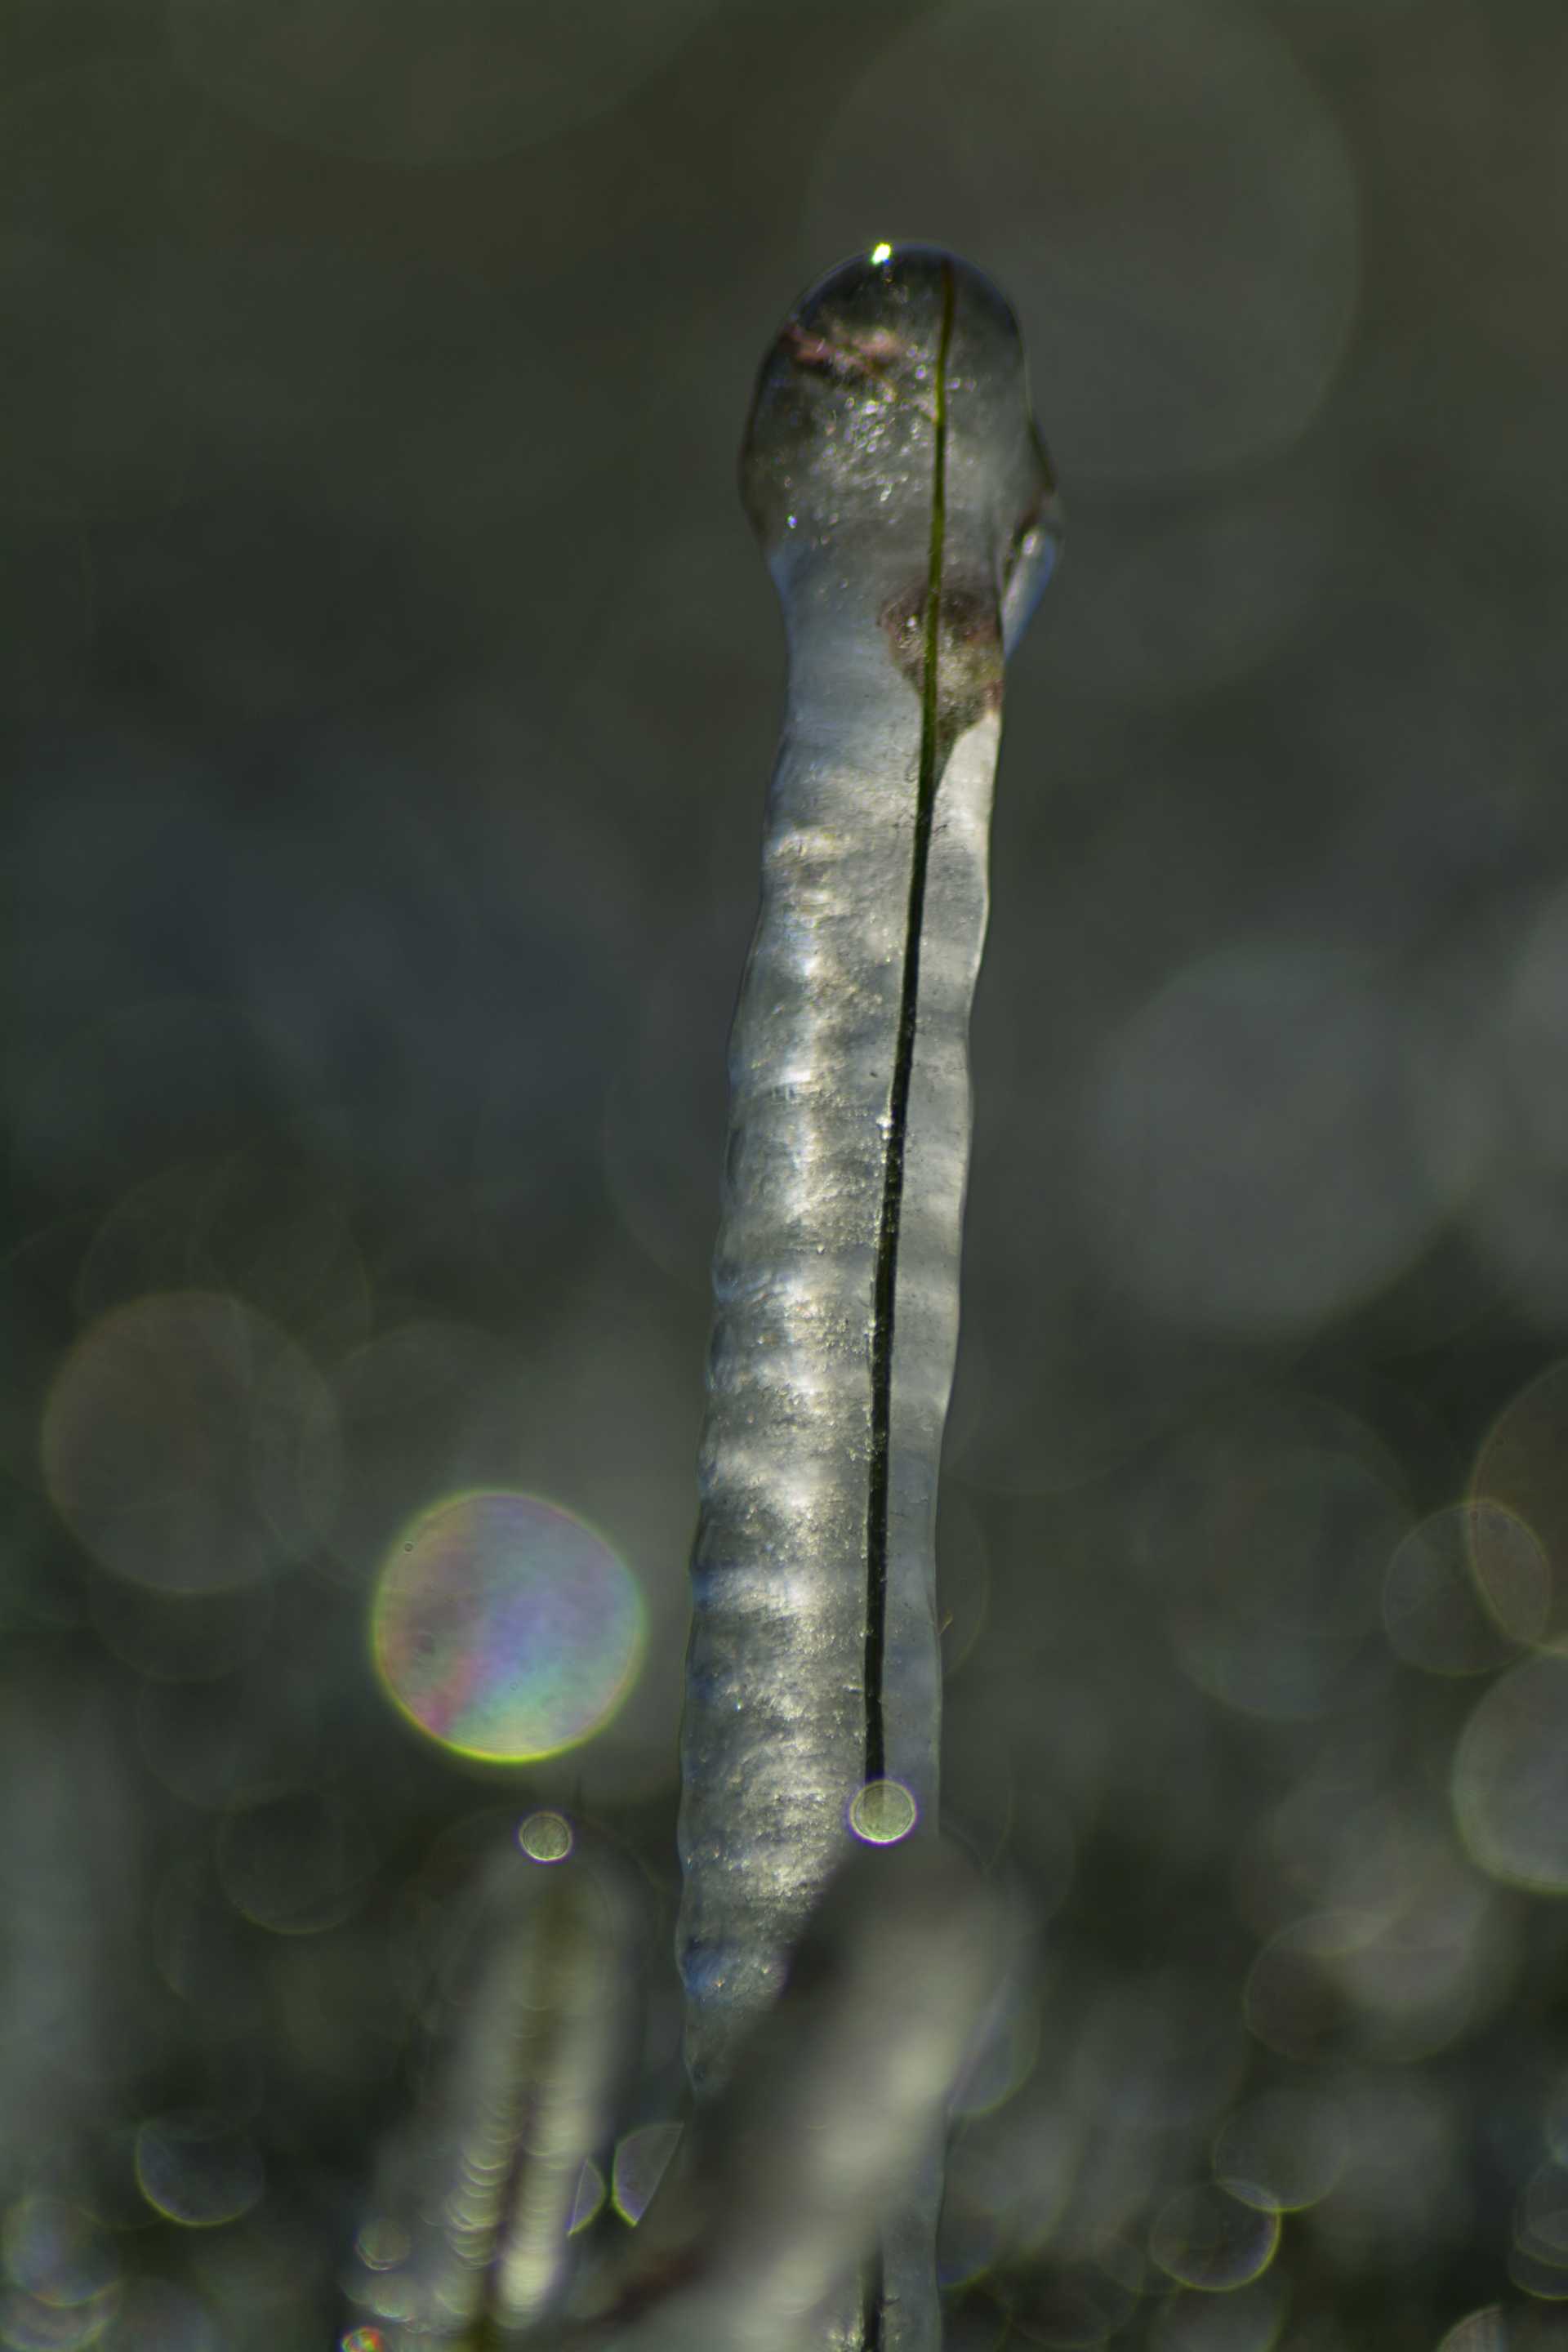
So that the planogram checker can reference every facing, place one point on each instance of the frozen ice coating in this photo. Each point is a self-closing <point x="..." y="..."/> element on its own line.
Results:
<point x="907" y="512"/>
<point x="841" y="459"/>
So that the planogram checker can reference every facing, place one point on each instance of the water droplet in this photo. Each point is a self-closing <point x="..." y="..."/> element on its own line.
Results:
<point x="545" y="1837"/>
<point x="882" y="1813"/>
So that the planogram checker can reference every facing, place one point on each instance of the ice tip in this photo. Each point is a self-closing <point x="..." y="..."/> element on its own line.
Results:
<point x="904" y="272"/>
<point x="876" y="320"/>
<point x="844" y="411"/>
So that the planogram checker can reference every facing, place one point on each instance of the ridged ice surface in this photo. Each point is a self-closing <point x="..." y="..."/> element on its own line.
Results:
<point x="889" y="454"/>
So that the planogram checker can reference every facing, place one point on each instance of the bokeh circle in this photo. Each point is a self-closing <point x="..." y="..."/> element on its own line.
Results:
<point x="505" y="1628"/>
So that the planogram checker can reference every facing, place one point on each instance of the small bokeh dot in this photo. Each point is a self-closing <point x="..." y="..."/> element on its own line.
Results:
<point x="882" y="1813"/>
<point x="505" y="1628"/>
<point x="545" y="1836"/>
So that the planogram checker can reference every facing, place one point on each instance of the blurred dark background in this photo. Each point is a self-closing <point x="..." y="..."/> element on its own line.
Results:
<point x="390" y="687"/>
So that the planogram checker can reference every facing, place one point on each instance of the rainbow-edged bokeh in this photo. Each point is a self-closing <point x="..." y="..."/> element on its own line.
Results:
<point x="505" y="1628"/>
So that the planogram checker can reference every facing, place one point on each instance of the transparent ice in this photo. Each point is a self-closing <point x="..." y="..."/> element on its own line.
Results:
<point x="905" y="506"/>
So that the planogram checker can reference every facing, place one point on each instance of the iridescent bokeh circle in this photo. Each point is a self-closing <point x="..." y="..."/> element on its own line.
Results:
<point x="506" y="1629"/>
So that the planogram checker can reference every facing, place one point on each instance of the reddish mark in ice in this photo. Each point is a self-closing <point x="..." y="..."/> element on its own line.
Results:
<point x="868" y="355"/>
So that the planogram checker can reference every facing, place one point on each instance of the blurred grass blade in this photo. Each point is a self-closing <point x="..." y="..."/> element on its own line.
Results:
<point x="543" y="1998"/>
<point x="838" y="2104"/>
